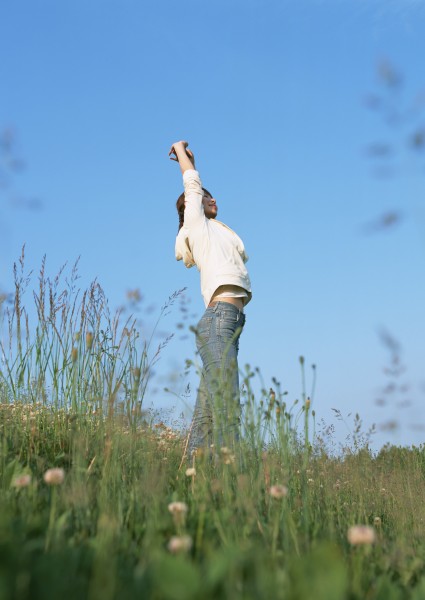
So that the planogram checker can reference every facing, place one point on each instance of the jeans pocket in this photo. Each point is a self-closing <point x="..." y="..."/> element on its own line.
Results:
<point x="229" y="326"/>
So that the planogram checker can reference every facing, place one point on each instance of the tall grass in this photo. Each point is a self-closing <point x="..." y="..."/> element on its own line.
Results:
<point x="78" y="355"/>
<point x="123" y="517"/>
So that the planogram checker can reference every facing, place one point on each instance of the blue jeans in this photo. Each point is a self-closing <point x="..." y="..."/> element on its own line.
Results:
<point x="217" y="410"/>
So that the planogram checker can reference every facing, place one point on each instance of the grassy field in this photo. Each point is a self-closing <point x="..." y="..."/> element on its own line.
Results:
<point x="96" y="501"/>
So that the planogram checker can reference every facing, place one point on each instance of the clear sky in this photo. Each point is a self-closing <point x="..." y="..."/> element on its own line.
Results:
<point x="274" y="98"/>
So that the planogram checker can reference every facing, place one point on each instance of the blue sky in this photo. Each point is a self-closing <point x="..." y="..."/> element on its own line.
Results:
<point x="272" y="98"/>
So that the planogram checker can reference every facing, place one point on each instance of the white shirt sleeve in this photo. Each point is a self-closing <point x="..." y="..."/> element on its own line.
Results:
<point x="193" y="207"/>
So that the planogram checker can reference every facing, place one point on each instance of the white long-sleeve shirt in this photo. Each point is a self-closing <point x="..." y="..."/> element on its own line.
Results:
<point x="214" y="248"/>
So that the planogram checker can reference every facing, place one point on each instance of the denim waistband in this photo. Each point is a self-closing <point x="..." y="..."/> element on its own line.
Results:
<point x="228" y="306"/>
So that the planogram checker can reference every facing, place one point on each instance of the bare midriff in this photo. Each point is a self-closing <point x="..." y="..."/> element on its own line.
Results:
<point x="220" y="296"/>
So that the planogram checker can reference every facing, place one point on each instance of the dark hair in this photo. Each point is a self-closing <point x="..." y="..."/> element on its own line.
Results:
<point x="180" y="207"/>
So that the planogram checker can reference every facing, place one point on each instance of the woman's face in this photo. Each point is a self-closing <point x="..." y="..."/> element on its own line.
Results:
<point x="210" y="206"/>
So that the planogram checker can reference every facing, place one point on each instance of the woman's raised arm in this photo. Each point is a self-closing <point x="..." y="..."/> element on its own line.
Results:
<point x="182" y="155"/>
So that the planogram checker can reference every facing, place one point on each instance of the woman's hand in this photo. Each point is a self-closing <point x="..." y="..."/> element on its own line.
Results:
<point x="178" y="148"/>
<point x="180" y="152"/>
<point x="182" y="145"/>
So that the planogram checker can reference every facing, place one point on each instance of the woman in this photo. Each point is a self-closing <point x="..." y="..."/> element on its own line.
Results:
<point x="220" y="257"/>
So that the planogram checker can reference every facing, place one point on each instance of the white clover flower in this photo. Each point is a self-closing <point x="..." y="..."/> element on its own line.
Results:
<point x="179" y="544"/>
<point x="179" y="512"/>
<point x="21" y="481"/>
<point x="278" y="491"/>
<point x="54" y="476"/>
<point x="177" y="508"/>
<point x="191" y="472"/>
<point x="361" y="535"/>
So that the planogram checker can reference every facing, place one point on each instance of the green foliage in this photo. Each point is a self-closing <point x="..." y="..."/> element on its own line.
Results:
<point x="106" y="531"/>
<point x="122" y="517"/>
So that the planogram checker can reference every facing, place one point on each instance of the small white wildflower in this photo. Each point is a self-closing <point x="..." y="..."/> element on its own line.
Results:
<point x="360" y="535"/>
<point x="54" y="476"/>
<point x="177" y="507"/>
<point x="179" y="544"/>
<point x="278" y="491"/>
<point x="21" y="481"/>
<point x="191" y="472"/>
<point x="179" y="512"/>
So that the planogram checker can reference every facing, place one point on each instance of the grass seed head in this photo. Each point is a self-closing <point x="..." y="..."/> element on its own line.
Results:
<point x="89" y="340"/>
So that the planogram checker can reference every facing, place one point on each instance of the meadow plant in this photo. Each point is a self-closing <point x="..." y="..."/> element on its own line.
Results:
<point x="359" y="535"/>
<point x="54" y="476"/>
<point x="22" y="481"/>
<point x="95" y="501"/>
<point x="78" y="355"/>
<point x="179" y="544"/>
